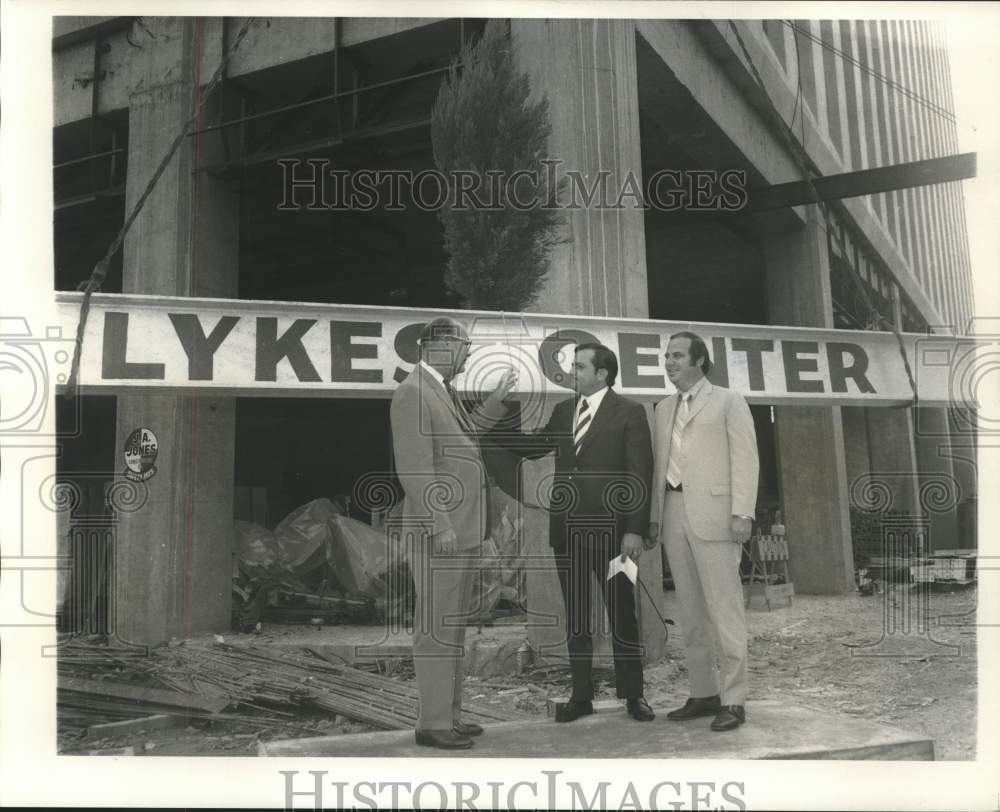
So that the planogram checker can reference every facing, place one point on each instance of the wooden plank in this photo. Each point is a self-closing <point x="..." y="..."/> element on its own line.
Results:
<point x="130" y="694"/>
<point x="156" y="722"/>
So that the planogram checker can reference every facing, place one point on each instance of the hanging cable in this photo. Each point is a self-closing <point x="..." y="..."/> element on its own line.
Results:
<point x="802" y="159"/>
<point x="100" y="271"/>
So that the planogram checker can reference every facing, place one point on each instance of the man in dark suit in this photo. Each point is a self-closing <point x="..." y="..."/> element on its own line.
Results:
<point x="599" y="510"/>
<point x="438" y="462"/>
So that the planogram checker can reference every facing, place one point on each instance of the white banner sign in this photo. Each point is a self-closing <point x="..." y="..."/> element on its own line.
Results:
<point x="235" y="347"/>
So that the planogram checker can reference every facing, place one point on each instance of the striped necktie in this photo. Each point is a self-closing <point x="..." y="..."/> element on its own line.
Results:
<point x="583" y="416"/>
<point x="680" y="419"/>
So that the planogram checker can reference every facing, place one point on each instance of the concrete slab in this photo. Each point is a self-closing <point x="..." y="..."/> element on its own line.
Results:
<point x="774" y="730"/>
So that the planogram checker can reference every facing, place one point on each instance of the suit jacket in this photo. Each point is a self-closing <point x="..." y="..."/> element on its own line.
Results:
<point x="438" y="461"/>
<point x="718" y="460"/>
<point x="609" y="483"/>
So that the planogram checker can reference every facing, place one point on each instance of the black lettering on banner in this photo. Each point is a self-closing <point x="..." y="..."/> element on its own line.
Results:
<point x="754" y="349"/>
<point x="405" y="345"/>
<point x="200" y="350"/>
<point x="271" y="349"/>
<point x="113" y="363"/>
<point x="550" y="350"/>
<point x="835" y="352"/>
<point x="629" y="359"/>
<point x="342" y="351"/>
<point x="795" y="365"/>
<point x="720" y="363"/>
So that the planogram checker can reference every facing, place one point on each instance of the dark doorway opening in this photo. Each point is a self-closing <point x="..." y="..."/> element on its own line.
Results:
<point x="300" y="449"/>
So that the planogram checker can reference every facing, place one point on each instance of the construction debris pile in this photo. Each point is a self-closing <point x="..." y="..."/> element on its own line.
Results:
<point x="217" y="681"/>
<point x="321" y="566"/>
<point x="318" y="563"/>
<point x="888" y="554"/>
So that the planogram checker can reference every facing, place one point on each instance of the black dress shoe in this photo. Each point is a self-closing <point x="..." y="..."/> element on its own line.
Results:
<point x="695" y="707"/>
<point x="443" y="739"/>
<point x="467" y="729"/>
<point x="639" y="710"/>
<point x="573" y="710"/>
<point x="729" y="717"/>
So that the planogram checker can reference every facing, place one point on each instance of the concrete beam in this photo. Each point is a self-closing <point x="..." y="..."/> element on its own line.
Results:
<point x="67" y="31"/>
<point x="726" y="103"/>
<point x="782" y="91"/>
<point x="271" y="41"/>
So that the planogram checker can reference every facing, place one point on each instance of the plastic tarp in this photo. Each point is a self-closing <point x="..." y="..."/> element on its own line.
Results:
<point x="320" y="547"/>
<point x="257" y="547"/>
<point x="304" y="536"/>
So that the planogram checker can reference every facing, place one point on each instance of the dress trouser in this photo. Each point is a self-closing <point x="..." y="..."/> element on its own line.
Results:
<point x="710" y="599"/>
<point x="577" y="564"/>
<point x="443" y="587"/>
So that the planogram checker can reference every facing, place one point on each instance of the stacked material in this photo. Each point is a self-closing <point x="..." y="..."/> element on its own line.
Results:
<point x="202" y="680"/>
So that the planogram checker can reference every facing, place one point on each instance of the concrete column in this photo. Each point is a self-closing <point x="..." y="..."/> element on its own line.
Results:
<point x="855" y="442"/>
<point x="890" y="440"/>
<point x="587" y="71"/>
<point x="941" y="488"/>
<point x="892" y="448"/>
<point x="811" y="459"/>
<point x="173" y="556"/>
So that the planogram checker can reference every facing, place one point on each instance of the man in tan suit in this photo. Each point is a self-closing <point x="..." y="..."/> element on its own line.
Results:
<point x="445" y="518"/>
<point x="704" y="494"/>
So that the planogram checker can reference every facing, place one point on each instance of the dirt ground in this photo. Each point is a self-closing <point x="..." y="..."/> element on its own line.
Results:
<point x="827" y="653"/>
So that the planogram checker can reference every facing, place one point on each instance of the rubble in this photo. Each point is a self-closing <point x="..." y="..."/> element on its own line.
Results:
<point x="321" y="566"/>
<point x="200" y="680"/>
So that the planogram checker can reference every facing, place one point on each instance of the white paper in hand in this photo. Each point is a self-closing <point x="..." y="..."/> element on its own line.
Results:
<point x="630" y="569"/>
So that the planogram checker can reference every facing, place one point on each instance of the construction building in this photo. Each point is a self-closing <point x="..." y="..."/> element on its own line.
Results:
<point x="625" y="96"/>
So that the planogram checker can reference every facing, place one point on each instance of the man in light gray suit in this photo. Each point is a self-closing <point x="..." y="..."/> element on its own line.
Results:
<point x="703" y="500"/>
<point x="445" y="517"/>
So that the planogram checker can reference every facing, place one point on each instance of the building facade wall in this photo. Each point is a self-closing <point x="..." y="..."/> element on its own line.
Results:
<point x="859" y="93"/>
<point x="838" y="84"/>
<point x="878" y="92"/>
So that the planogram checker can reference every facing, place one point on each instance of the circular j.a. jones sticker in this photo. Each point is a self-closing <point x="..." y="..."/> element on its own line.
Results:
<point x="140" y="454"/>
